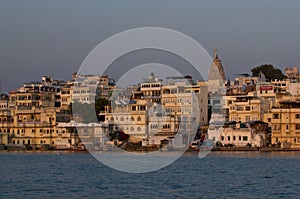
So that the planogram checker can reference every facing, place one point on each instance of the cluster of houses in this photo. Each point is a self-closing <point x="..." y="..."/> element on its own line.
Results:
<point x="248" y="111"/>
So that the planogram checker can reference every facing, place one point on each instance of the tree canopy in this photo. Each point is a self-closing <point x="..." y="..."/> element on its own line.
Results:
<point x="89" y="113"/>
<point x="269" y="71"/>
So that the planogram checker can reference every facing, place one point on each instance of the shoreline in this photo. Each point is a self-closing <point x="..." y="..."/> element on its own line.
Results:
<point x="219" y="149"/>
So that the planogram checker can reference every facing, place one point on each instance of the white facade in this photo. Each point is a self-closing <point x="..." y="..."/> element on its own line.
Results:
<point x="238" y="137"/>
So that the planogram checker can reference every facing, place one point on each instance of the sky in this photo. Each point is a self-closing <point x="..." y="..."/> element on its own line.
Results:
<point x="39" y="37"/>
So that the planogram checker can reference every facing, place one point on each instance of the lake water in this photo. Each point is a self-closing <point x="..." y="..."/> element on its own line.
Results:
<point x="220" y="175"/>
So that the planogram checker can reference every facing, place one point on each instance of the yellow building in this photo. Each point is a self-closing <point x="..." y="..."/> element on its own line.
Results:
<point x="286" y="123"/>
<point x="129" y="115"/>
<point x="244" y="108"/>
<point x="29" y="119"/>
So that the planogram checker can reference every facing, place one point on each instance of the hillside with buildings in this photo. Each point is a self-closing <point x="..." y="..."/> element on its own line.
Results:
<point x="245" y="112"/>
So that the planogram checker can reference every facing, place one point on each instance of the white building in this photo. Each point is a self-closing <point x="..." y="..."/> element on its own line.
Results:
<point x="231" y="134"/>
<point x="87" y="87"/>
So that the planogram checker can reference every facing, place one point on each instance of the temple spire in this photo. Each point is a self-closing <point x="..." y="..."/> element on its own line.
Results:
<point x="215" y="53"/>
<point x="217" y="70"/>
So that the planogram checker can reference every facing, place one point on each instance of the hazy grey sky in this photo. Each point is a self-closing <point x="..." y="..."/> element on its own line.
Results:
<point x="53" y="37"/>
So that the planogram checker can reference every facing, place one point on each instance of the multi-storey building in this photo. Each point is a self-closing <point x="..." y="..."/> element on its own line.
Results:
<point x="235" y="134"/>
<point x="185" y="100"/>
<point x="292" y="72"/>
<point x="286" y="122"/>
<point x="129" y="116"/>
<point x="66" y="93"/>
<point x="177" y="107"/>
<point x="30" y="114"/>
<point x="151" y="89"/>
<point x="245" y="108"/>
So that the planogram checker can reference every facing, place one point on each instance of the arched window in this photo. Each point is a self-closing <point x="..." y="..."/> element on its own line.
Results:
<point x="139" y="118"/>
<point x="112" y="118"/>
<point x="132" y="118"/>
<point x="138" y="128"/>
<point x="131" y="129"/>
<point x="122" y="118"/>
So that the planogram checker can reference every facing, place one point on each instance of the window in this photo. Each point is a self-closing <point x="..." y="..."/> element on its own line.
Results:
<point x="297" y="126"/>
<point x="276" y="127"/>
<point x="139" y="118"/>
<point x="297" y="116"/>
<point x="132" y="119"/>
<point x="216" y="102"/>
<point x="287" y="127"/>
<point x="245" y="138"/>
<point x="240" y="108"/>
<point x="138" y="128"/>
<point x="222" y="138"/>
<point x="247" y="108"/>
<point x="131" y="129"/>
<point x="122" y="118"/>
<point x="142" y="108"/>
<point x="240" y="138"/>
<point x="228" y="138"/>
<point x="233" y="138"/>
<point x="276" y="116"/>
<point x="247" y="118"/>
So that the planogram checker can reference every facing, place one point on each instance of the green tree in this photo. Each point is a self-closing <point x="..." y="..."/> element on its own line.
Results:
<point x="86" y="112"/>
<point x="269" y="71"/>
<point x="100" y="104"/>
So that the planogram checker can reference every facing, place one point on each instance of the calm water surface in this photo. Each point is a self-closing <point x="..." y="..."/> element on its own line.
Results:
<point x="220" y="175"/>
